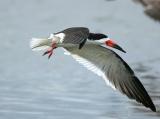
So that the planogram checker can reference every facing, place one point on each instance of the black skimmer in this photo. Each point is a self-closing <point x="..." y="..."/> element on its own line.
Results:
<point x="74" y="35"/>
<point x="101" y="60"/>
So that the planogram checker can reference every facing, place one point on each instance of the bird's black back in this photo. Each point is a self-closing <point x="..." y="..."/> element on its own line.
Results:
<point x="79" y="35"/>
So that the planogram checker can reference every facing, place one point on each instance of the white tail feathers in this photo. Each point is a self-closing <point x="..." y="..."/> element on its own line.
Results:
<point x="38" y="44"/>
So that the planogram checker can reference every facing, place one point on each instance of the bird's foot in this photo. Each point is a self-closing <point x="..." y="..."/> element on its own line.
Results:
<point x="50" y="51"/>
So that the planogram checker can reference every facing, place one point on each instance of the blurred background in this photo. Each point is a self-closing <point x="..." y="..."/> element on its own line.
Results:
<point x="33" y="87"/>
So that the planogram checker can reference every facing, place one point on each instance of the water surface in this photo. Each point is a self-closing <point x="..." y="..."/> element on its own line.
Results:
<point x="33" y="87"/>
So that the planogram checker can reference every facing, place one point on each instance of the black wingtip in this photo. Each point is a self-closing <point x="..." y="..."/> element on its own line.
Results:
<point x="153" y="108"/>
<point x="142" y="95"/>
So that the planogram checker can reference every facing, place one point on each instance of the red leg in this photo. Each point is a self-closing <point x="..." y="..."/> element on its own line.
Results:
<point x="50" y="54"/>
<point x="50" y="51"/>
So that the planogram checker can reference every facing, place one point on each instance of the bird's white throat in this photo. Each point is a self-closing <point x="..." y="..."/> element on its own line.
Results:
<point x="58" y="38"/>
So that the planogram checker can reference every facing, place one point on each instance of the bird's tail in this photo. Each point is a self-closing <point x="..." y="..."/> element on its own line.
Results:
<point x="39" y="44"/>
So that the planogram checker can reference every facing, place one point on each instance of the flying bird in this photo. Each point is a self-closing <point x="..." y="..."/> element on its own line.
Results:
<point x="75" y="35"/>
<point x="87" y="48"/>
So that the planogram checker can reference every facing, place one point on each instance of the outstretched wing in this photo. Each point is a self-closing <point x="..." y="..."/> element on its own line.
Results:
<point x="114" y="70"/>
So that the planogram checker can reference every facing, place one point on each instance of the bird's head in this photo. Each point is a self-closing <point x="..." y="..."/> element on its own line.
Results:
<point x="109" y="42"/>
<point x="105" y="40"/>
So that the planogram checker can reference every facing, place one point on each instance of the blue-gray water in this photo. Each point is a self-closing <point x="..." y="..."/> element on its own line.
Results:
<point x="33" y="87"/>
